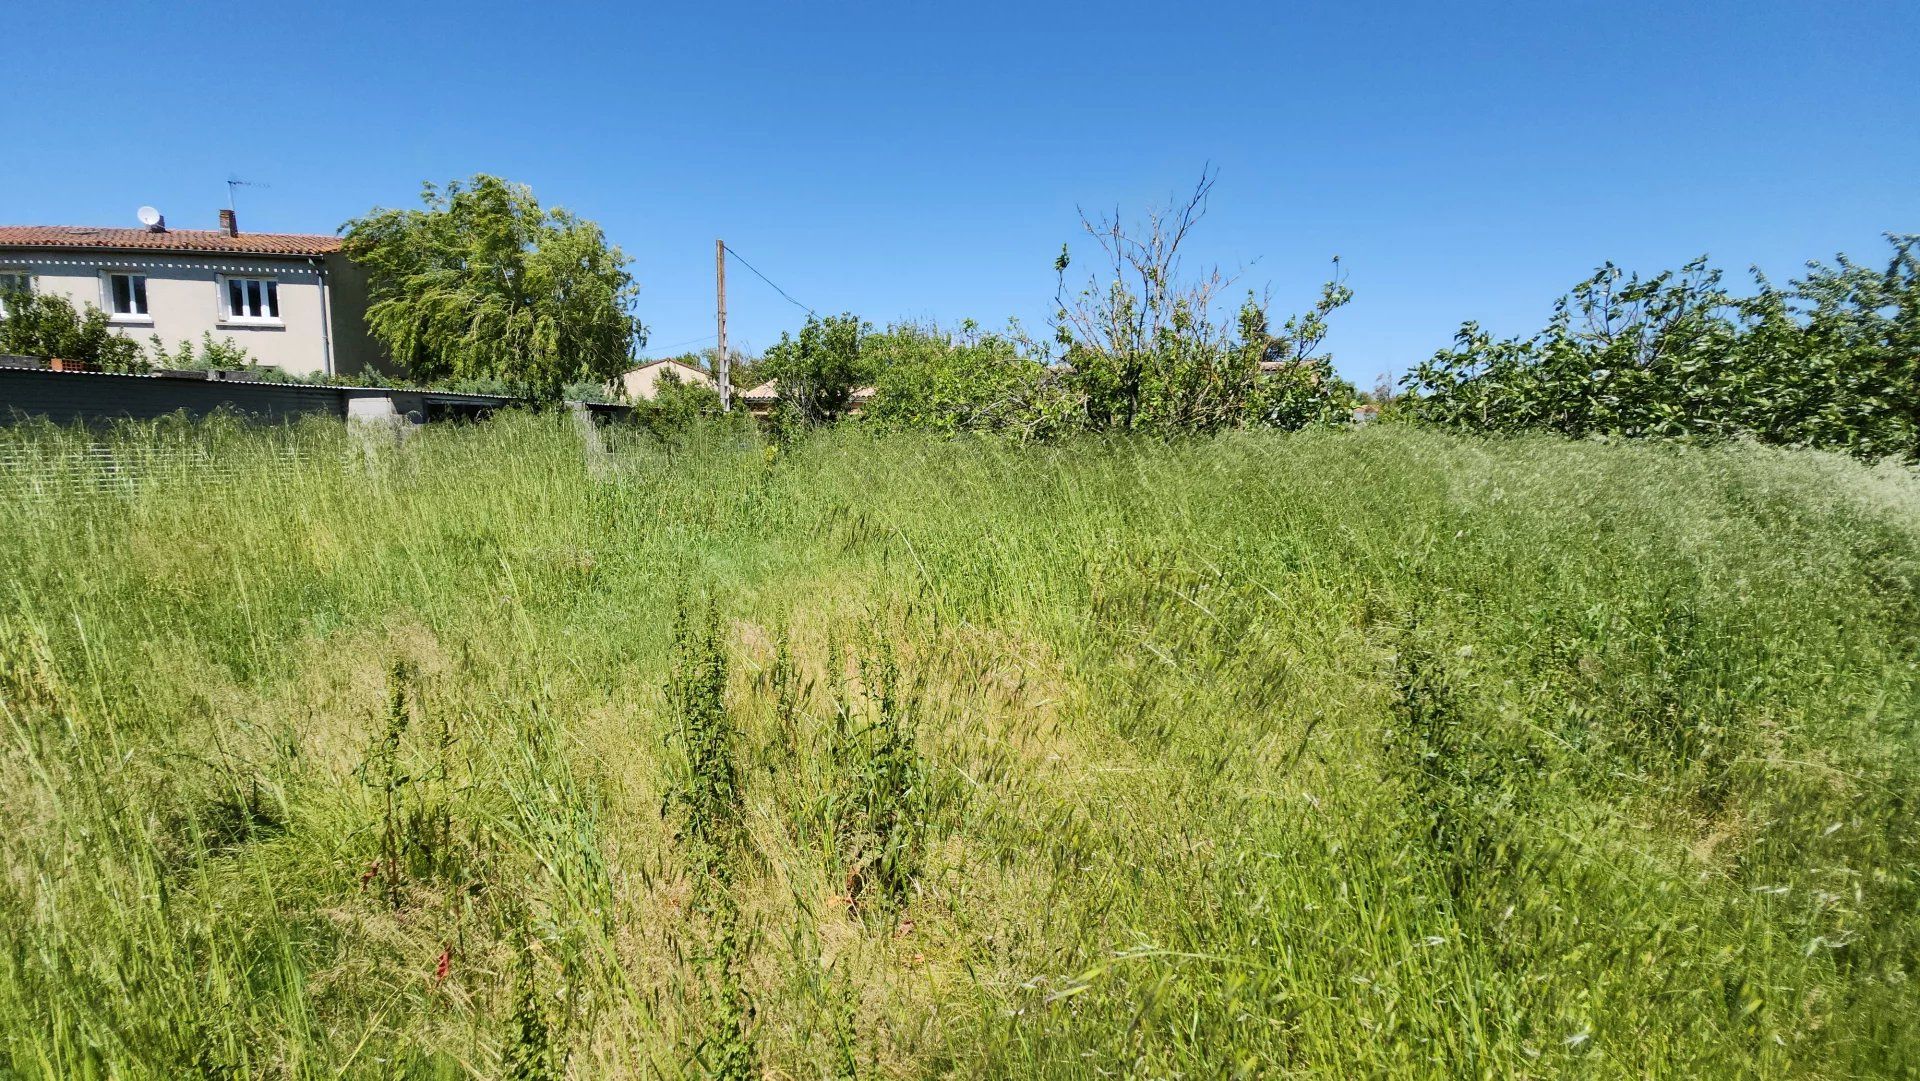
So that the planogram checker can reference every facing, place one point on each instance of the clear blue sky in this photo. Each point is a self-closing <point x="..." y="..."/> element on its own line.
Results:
<point x="919" y="161"/>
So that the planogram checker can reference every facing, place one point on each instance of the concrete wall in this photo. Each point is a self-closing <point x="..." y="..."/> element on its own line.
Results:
<point x="183" y="300"/>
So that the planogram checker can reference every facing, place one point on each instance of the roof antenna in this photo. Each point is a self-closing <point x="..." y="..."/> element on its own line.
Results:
<point x="235" y="182"/>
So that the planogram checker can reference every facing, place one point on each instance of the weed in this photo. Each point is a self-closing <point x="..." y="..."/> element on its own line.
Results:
<point x="707" y="807"/>
<point x="877" y="807"/>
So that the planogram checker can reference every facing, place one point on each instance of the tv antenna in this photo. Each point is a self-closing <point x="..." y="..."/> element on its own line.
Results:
<point x="235" y="182"/>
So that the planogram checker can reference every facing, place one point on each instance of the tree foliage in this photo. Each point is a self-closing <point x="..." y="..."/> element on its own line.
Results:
<point x="676" y="405"/>
<point x="926" y="378"/>
<point x="1146" y="347"/>
<point x="1832" y="360"/>
<point x="484" y="283"/>
<point x="206" y="356"/>
<point x="1142" y="347"/>
<point x="48" y="325"/>
<point x="818" y="370"/>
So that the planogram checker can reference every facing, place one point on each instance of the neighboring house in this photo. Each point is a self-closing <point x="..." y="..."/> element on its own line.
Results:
<point x="761" y="400"/>
<point x="640" y="384"/>
<point x="288" y="299"/>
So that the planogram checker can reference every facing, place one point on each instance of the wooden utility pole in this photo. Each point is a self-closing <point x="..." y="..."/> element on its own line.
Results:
<point x="721" y="370"/>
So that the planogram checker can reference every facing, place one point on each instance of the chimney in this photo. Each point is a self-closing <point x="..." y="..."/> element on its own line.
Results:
<point x="228" y="224"/>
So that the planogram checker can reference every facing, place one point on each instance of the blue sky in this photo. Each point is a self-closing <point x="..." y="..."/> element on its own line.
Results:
<point x="910" y="161"/>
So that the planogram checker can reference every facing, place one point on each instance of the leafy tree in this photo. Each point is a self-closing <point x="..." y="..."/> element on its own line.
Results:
<point x="927" y="379"/>
<point x="1145" y="350"/>
<point x="745" y="367"/>
<point x="676" y="405"/>
<point x="1621" y="354"/>
<point x="48" y="325"/>
<point x="1296" y="385"/>
<point x="819" y="371"/>
<point x="1839" y="356"/>
<point x="1833" y="360"/>
<point x="485" y="283"/>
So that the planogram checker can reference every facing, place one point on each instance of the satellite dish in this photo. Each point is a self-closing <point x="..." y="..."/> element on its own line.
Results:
<point x="148" y="216"/>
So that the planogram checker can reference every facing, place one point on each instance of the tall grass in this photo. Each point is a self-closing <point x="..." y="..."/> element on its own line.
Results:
<point x="1335" y="754"/>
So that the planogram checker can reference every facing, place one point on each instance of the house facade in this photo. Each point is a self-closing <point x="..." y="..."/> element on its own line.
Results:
<point x="288" y="299"/>
<point x="642" y="384"/>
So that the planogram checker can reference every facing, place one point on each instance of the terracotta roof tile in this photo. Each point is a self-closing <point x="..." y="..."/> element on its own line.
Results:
<point x="769" y="391"/>
<point x="182" y="240"/>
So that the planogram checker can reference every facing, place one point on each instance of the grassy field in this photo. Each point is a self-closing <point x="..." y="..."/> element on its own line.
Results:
<point x="1340" y="754"/>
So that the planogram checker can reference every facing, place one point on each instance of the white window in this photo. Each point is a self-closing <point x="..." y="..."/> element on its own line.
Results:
<point x="249" y="300"/>
<point x="13" y="281"/>
<point x="127" y="296"/>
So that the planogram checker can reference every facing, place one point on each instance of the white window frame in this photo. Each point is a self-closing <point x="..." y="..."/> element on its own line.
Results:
<point x="13" y="272"/>
<point x="141" y="318"/>
<point x="228" y="316"/>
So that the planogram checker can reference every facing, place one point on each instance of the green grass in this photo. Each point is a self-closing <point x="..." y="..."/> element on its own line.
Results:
<point x="1337" y="754"/>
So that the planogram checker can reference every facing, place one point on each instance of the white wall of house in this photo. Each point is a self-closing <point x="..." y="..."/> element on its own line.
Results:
<point x="188" y="295"/>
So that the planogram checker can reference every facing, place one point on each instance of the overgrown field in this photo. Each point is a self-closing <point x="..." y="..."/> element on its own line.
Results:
<point x="1340" y="754"/>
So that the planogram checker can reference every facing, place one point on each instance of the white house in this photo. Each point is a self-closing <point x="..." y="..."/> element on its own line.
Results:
<point x="289" y="299"/>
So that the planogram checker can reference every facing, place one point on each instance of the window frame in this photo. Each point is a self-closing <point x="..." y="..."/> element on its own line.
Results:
<point x="135" y="295"/>
<point x="269" y="299"/>
<point x="23" y="274"/>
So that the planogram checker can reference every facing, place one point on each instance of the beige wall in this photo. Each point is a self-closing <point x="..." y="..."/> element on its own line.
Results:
<point x="183" y="299"/>
<point x="638" y="384"/>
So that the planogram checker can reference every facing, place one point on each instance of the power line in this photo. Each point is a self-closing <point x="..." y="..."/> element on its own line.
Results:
<point x="689" y="341"/>
<point x="769" y="281"/>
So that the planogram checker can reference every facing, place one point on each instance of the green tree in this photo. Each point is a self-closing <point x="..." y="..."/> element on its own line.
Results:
<point x="676" y="406"/>
<point x="925" y="378"/>
<point x="483" y="283"/>
<point x="818" y="371"/>
<point x="743" y="365"/>
<point x="1832" y="360"/>
<point x="1147" y="348"/>
<point x="48" y="325"/>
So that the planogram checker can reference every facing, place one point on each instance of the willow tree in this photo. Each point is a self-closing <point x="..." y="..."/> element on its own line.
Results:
<point x="485" y="284"/>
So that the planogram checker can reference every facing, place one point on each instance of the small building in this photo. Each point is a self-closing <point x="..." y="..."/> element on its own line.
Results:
<point x="763" y="399"/>
<point x="289" y="299"/>
<point x="641" y="384"/>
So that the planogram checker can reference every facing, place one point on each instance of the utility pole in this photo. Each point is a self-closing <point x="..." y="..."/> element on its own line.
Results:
<point x="721" y="369"/>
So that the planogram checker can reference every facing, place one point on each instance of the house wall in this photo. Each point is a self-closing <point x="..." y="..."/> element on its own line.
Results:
<point x="354" y="349"/>
<point x="639" y="384"/>
<point x="183" y="300"/>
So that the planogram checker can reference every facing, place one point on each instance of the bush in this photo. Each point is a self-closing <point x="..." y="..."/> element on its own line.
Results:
<point x="1146" y="348"/>
<point x="46" y="325"/>
<point x="676" y="406"/>
<point x="819" y="371"/>
<point x="927" y="379"/>
<point x="1831" y="361"/>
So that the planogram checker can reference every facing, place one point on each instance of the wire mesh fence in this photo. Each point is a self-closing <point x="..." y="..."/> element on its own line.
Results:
<point x="57" y="470"/>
